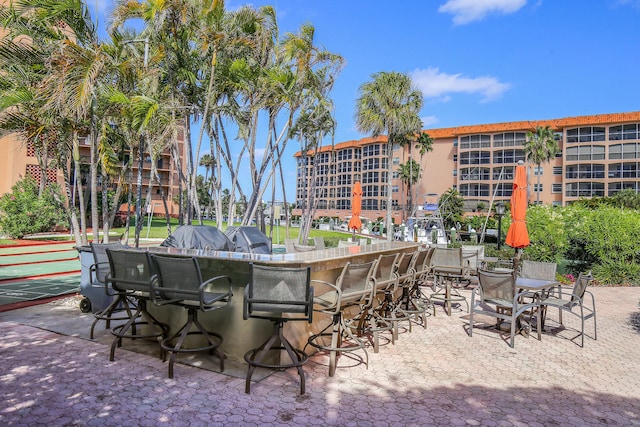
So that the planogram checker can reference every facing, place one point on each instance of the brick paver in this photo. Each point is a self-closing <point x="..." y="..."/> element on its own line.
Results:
<point x="437" y="376"/>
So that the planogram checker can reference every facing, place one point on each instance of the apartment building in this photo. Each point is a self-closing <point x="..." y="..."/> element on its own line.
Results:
<point x="17" y="160"/>
<point x="599" y="156"/>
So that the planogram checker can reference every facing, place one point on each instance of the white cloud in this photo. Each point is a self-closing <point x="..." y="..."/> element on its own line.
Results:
<point x="435" y="84"/>
<point x="429" y="120"/>
<point x="466" y="11"/>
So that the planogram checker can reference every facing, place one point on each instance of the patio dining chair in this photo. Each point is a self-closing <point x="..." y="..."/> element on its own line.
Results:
<point x="411" y="302"/>
<point x="120" y="306"/>
<point x="179" y="282"/>
<point x="131" y="273"/>
<point x="388" y="310"/>
<point x="449" y="270"/>
<point x="538" y="270"/>
<point x="279" y="295"/>
<point x="496" y="296"/>
<point x="423" y="276"/>
<point x="473" y="256"/>
<point x="573" y="301"/>
<point x="352" y="292"/>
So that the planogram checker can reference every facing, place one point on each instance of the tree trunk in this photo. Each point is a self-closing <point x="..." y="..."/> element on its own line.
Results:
<point x="389" y="194"/>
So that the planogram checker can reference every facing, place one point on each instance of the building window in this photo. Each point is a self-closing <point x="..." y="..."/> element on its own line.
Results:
<point x="475" y="174"/>
<point x="624" y="170"/>
<point x="475" y="141"/>
<point x="624" y="151"/>
<point x="343" y="204"/>
<point x="557" y="170"/>
<point x="396" y="174"/>
<point x="503" y="189"/>
<point x="394" y="189"/>
<point x="615" y="187"/>
<point x="502" y="173"/>
<point x="585" y="171"/>
<point x="630" y="131"/>
<point x="396" y="161"/>
<point x="584" y="189"/>
<point x="369" y="177"/>
<point x="538" y="170"/>
<point x="371" y="150"/>
<point x="346" y="154"/>
<point x="556" y="188"/>
<point x="474" y="190"/>
<point x="586" y="134"/>
<point x="509" y="139"/>
<point x="454" y="172"/>
<point x="537" y="188"/>
<point x="370" y="191"/>
<point x="508" y="156"/>
<point x="370" y="204"/>
<point x="585" y="152"/>
<point x="475" y="158"/>
<point x="344" y="167"/>
<point x="371" y="164"/>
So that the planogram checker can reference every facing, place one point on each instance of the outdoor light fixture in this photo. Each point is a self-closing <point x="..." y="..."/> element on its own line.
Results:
<point x="500" y="207"/>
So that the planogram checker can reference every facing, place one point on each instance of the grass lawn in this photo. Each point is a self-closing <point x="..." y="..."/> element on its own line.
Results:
<point x="158" y="230"/>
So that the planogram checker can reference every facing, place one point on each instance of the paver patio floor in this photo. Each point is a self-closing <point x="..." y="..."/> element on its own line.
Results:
<point x="437" y="376"/>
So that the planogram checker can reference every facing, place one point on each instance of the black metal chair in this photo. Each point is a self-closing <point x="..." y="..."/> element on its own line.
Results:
<point x="179" y="282"/>
<point x="279" y="295"/>
<point x="120" y="307"/>
<point x="353" y="290"/>
<point x="131" y="274"/>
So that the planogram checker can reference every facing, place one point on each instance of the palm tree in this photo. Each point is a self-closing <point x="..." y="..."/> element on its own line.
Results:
<point x="389" y="103"/>
<point x="540" y="147"/>
<point x="409" y="173"/>
<point x="423" y="143"/>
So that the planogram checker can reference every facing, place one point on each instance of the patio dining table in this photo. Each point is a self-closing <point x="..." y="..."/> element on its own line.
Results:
<point x="537" y="287"/>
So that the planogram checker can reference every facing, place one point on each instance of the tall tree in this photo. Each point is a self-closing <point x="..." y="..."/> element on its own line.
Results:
<point x="409" y="173"/>
<point x="540" y="147"/>
<point x="390" y="104"/>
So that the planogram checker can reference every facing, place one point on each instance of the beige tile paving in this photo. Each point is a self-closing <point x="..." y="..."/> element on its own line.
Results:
<point x="437" y="376"/>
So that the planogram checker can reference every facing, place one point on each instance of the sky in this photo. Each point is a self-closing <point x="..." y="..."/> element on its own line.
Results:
<point x="475" y="61"/>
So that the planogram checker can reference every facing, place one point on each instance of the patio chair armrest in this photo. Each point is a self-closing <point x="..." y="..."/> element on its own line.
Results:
<point x="218" y="296"/>
<point x="155" y="290"/>
<point x="333" y="288"/>
<point x="593" y="299"/>
<point x="93" y="270"/>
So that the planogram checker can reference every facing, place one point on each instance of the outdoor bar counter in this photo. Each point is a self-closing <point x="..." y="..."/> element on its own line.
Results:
<point x="241" y="335"/>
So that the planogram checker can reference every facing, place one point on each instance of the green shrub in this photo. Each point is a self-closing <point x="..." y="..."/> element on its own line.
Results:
<point x="616" y="272"/>
<point x="547" y="233"/>
<point x="22" y="212"/>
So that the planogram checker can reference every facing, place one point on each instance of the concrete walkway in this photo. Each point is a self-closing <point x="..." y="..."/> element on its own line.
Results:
<point x="437" y="376"/>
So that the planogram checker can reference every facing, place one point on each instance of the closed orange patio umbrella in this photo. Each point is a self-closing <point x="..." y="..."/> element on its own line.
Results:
<point x="518" y="236"/>
<point x="356" y="206"/>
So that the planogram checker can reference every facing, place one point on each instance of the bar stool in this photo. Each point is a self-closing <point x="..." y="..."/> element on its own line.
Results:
<point x="131" y="275"/>
<point x="120" y="307"/>
<point x="386" y="283"/>
<point x="353" y="290"/>
<point x="411" y="302"/>
<point x="179" y="282"/>
<point x="279" y="295"/>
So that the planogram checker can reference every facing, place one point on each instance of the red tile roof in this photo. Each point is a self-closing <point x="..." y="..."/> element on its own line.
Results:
<point x="452" y="132"/>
